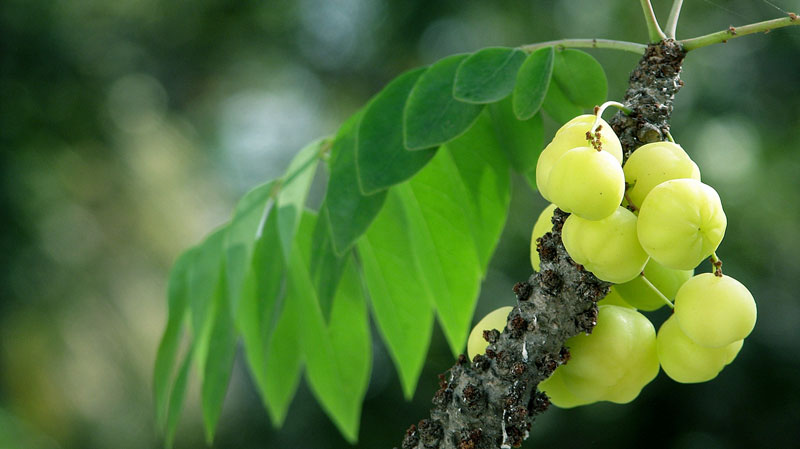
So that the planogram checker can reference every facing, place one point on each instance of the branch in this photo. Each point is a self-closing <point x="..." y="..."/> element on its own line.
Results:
<point x="492" y="401"/>
<point x="734" y="32"/>
<point x="653" y="28"/>
<point x="672" y="20"/>
<point x="588" y="43"/>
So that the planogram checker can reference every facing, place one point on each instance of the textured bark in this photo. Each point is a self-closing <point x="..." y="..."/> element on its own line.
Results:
<point x="492" y="401"/>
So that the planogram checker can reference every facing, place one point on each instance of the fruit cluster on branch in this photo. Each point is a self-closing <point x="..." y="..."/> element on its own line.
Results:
<point x="492" y="401"/>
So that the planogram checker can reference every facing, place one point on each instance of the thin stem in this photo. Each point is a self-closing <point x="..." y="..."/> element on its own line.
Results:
<point x="593" y="135"/>
<point x="717" y="263"/>
<point x="653" y="28"/>
<point x="657" y="291"/>
<point x="600" y="109"/>
<point x="734" y="32"/>
<point x="669" y="137"/>
<point x="631" y="47"/>
<point x="631" y="207"/>
<point x="672" y="20"/>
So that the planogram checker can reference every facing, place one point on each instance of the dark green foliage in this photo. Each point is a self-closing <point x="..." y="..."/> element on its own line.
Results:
<point x="382" y="159"/>
<point x="487" y="75"/>
<point x="533" y="81"/>
<point x="432" y="116"/>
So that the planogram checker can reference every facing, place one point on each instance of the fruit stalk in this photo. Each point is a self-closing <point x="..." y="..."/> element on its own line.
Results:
<point x="492" y="401"/>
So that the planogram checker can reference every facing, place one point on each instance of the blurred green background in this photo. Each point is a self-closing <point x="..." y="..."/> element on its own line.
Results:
<point x="129" y="128"/>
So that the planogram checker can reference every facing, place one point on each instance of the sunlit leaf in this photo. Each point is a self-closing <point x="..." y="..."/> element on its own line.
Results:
<point x="443" y="245"/>
<point x="487" y="75"/>
<point x="294" y="189"/>
<point x="533" y="82"/>
<point x="219" y="362"/>
<point x="255" y="320"/>
<point x="338" y="352"/>
<point x="382" y="158"/>
<point x="284" y="361"/>
<point x="168" y="348"/>
<point x="176" y="398"/>
<point x="326" y="266"/>
<point x="484" y="171"/>
<point x="203" y="275"/>
<point x="248" y="218"/>
<point x="401" y="304"/>
<point x="432" y="116"/>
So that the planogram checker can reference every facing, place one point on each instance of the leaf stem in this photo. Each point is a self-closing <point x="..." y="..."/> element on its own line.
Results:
<point x="653" y="28"/>
<point x="657" y="291"/>
<point x="631" y="47"/>
<point x="734" y="32"/>
<point x="672" y="20"/>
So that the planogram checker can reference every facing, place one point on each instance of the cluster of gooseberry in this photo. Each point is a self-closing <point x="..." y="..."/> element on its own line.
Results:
<point x="644" y="227"/>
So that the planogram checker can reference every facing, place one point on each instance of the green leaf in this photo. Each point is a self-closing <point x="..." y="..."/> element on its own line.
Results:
<point x="219" y="363"/>
<point x="521" y="140"/>
<point x="326" y="266"/>
<point x="382" y="158"/>
<point x="485" y="173"/>
<point x="204" y="274"/>
<point x="248" y="217"/>
<point x="533" y="80"/>
<point x="255" y="316"/>
<point x="294" y="189"/>
<point x="168" y="348"/>
<point x="443" y="245"/>
<point x="401" y="304"/>
<point x="337" y="353"/>
<point x="558" y="106"/>
<point x="284" y="361"/>
<point x="432" y="116"/>
<point x="581" y="77"/>
<point x="350" y="212"/>
<point x="177" y="396"/>
<point x="487" y="75"/>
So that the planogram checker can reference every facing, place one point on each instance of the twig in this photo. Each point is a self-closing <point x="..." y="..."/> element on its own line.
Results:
<point x="734" y="32"/>
<point x="653" y="28"/>
<point x="588" y="43"/>
<point x="672" y="20"/>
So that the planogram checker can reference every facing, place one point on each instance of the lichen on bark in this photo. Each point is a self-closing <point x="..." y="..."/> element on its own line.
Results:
<point x="492" y="401"/>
